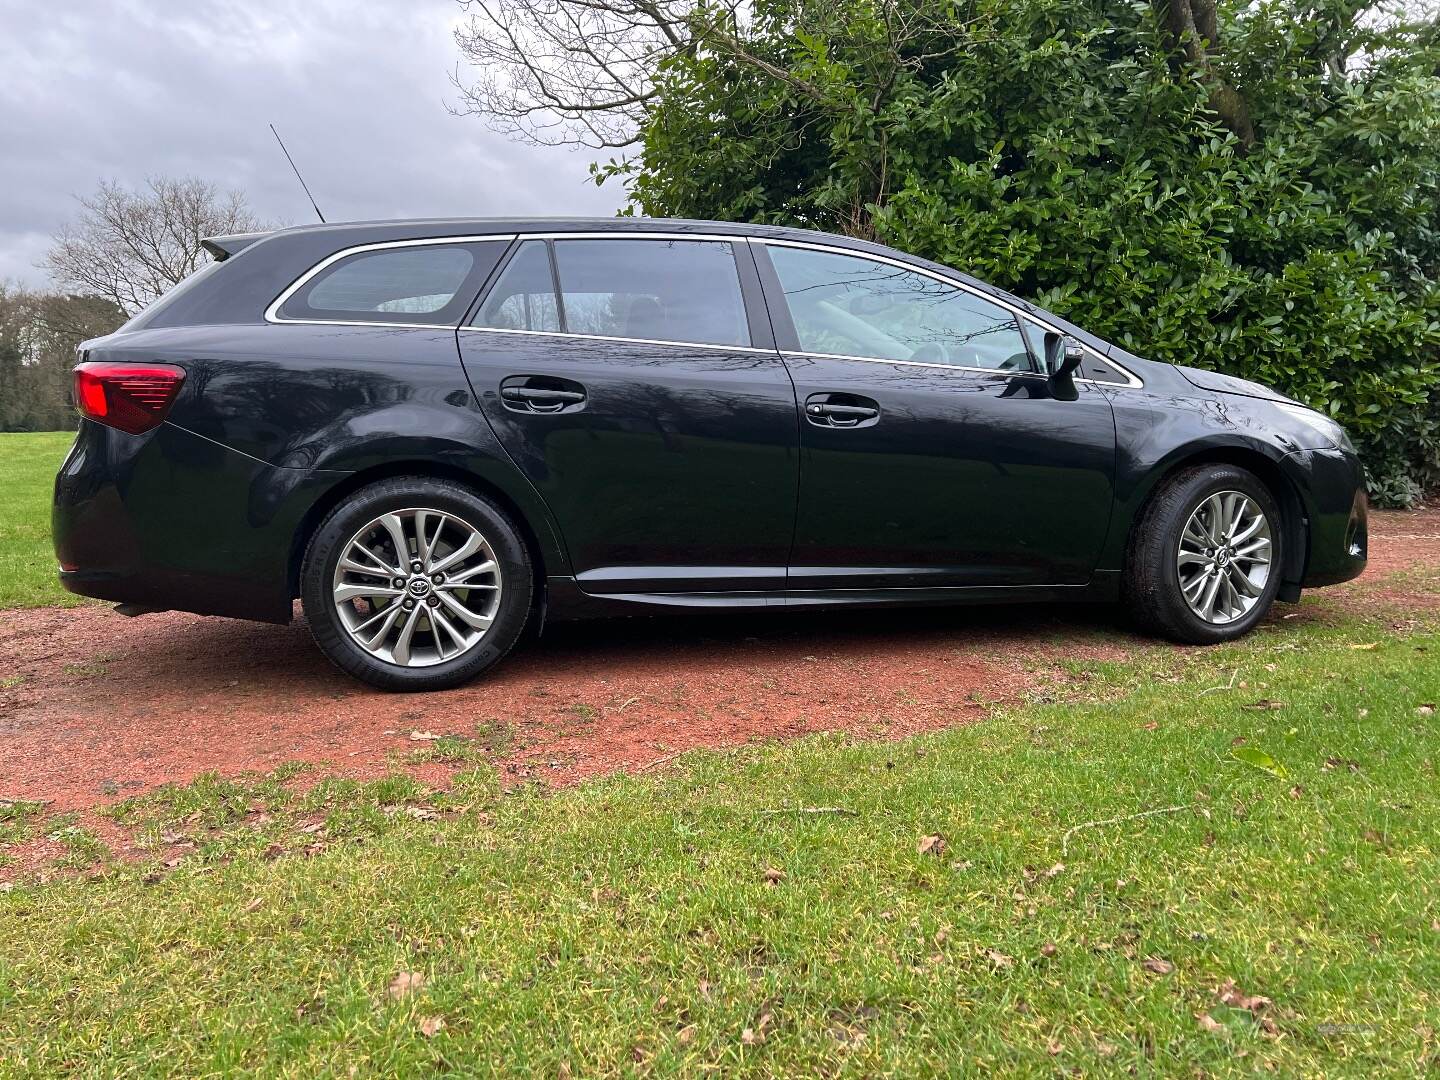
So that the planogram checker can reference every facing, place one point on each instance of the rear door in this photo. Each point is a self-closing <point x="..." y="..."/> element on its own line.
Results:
<point x="933" y="450"/>
<point x="634" y="380"/>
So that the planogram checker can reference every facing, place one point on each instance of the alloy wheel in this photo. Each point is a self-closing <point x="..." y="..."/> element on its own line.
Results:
<point x="417" y="587"/>
<point x="1224" y="557"/>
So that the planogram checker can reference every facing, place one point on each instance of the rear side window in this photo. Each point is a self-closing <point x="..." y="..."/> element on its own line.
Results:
<point x="661" y="290"/>
<point x="685" y="291"/>
<point x="524" y="296"/>
<point x="426" y="284"/>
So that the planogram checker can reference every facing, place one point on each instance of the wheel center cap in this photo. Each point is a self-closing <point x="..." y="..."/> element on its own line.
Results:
<point x="1222" y="557"/>
<point x="419" y="587"/>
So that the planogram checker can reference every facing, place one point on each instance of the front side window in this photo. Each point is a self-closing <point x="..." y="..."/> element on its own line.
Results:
<point x="847" y="305"/>
<point x="426" y="284"/>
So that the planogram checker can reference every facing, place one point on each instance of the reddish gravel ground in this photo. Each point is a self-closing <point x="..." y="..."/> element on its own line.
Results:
<point x="108" y="707"/>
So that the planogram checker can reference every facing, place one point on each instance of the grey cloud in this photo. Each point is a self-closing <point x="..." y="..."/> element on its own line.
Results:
<point x="123" y="89"/>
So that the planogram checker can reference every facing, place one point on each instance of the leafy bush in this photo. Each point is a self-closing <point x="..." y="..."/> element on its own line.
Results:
<point x="1077" y="153"/>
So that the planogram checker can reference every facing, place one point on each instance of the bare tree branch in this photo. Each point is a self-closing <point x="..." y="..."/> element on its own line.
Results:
<point x="131" y="246"/>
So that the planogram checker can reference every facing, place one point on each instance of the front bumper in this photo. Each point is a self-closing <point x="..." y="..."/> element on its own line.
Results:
<point x="171" y="521"/>
<point x="1331" y="485"/>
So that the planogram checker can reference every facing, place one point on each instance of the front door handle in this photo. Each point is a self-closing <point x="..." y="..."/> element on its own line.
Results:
<point x="841" y="410"/>
<point x="540" y="394"/>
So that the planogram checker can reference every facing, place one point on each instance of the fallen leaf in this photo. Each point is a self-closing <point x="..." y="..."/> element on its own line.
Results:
<point x="313" y="827"/>
<point x="423" y="736"/>
<point x="405" y="984"/>
<point x="774" y="876"/>
<point x="1296" y="791"/>
<point x="1425" y="710"/>
<point x="1053" y="1047"/>
<point x="1106" y="1049"/>
<point x="253" y="905"/>
<point x="1229" y="994"/>
<point x="430" y="1026"/>
<point x="1048" y="949"/>
<point x="748" y="1037"/>
<point x="1152" y="725"/>
<point x="686" y="1035"/>
<point x="999" y="959"/>
<point x="1158" y="966"/>
<point x="1056" y="870"/>
<point x="1263" y="704"/>
<point x="931" y="845"/>
<point x="1254" y="756"/>
<point x="1210" y="1024"/>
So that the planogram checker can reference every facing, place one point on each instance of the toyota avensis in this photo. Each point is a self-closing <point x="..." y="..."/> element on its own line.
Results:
<point x="434" y="433"/>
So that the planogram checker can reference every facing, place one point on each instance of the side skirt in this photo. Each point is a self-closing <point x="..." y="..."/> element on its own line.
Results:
<point x="566" y="600"/>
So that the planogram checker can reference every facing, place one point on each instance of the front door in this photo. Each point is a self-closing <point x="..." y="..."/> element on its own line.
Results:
<point x="933" y="452"/>
<point x="631" y="382"/>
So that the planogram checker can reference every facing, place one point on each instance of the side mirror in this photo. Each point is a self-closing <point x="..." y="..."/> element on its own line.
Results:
<point x="1063" y="355"/>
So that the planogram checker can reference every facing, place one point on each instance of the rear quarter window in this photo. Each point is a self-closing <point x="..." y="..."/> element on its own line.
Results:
<point x="424" y="284"/>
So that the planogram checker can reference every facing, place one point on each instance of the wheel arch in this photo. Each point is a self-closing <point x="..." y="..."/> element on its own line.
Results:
<point x="1267" y="469"/>
<point x="546" y="557"/>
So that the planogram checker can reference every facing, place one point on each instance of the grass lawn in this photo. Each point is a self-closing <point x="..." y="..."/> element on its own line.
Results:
<point x="28" y="463"/>
<point x="973" y="908"/>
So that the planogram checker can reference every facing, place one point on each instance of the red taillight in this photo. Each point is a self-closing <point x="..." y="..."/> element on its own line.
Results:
<point x="131" y="397"/>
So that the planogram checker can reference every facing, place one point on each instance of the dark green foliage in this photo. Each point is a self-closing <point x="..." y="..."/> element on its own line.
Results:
<point x="38" y="336"/>
<point x="1067" y="151"/>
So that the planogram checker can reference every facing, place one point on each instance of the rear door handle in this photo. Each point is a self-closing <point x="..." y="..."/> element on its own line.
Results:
<point x="841" y="410"/>
<point x="540" y="394"/>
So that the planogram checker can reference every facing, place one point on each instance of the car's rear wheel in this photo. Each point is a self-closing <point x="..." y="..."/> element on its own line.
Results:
<point x="1204" y="559"/>
<point x="416" y="584"/>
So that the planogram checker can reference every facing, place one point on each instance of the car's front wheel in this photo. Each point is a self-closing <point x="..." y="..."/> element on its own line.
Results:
<point x="1204" y="558"/>
<point x="416" y="584"/>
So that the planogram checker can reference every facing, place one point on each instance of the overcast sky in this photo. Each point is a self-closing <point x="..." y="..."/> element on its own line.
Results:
<point x="123" y="89"/>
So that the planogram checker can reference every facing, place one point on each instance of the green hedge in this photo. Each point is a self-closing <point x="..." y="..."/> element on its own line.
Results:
<point x="1062" y="150"/>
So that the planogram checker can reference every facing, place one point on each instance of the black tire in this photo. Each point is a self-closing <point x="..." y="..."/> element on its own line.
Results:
<point x="322" y="556"/>
<point x="1150" y="587"/>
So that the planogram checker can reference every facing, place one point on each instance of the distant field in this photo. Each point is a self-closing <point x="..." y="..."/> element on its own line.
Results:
<point x="28" y="462"/>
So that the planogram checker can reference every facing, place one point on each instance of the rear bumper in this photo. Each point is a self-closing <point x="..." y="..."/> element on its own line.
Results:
<point x="1331" y="485"/>
<point x="171" y="521"/>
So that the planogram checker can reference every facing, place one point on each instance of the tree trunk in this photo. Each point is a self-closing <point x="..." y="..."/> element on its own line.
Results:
<point x="1194" y="31"/>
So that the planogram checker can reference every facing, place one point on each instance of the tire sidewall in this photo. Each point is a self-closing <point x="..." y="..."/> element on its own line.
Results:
<point x="1193" y="491"/>
<point x="323" y="553"/>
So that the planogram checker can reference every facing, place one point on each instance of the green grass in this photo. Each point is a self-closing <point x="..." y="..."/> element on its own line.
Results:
<point x="28" y="463"/>
<point x="695" y="921"/>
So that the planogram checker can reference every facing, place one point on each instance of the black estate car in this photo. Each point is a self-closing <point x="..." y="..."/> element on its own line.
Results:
<point x="434" y="433"/>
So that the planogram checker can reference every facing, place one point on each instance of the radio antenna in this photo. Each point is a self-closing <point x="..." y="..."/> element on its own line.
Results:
<point x="297" y="173"/>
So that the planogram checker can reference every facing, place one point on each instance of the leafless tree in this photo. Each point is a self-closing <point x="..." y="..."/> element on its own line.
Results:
<point x="568" y="71"/>
<point x="584" y="71"/>
<point x="131" y="246"/>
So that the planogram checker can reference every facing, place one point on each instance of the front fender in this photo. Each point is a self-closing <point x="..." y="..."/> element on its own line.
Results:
<point x="1160" y="432"/>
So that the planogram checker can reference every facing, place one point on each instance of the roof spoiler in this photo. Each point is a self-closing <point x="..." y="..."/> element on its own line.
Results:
<point x="222" y="247"/>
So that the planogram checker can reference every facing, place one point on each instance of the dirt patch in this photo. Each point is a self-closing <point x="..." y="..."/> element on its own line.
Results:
<point x="95" y="707"/>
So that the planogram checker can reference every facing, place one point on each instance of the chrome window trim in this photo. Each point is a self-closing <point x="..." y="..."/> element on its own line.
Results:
<point x="1132" y="380"/>
<point x="631" y="340"/>
<point x="1008" y="373"/>
<point x="626" y="234"/>
<point x="272" y="313"/>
